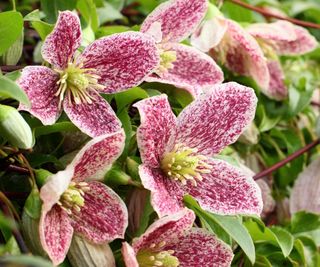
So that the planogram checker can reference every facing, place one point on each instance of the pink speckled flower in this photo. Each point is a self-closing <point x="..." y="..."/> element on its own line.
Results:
<point x="110" y="64"/>
<point x="180" y="65"/>
<point x="171" y="241"/>
<point x="72" y="202"/>
<point x="281" y="38"/>
<point x="177" y="152"/>
<point x="230" y="44"/>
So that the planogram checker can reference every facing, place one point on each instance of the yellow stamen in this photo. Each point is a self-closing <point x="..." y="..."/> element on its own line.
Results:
<point x="184" y="164"/>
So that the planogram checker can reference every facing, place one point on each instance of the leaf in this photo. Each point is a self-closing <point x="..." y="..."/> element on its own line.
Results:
<point x="64" y="126"/>
<point x="232" y="225"/>
<point x="25" y="260"/>
<point x="124" y="99"/>
<point x="108" y="30"/>
<point x="275" y="235"/>
<point x="52" y="7"/>
<point x="9" y="89"/>
<point x="11" y="26"/>
<point x="304" y="222"/>
<point x="108" y="13"/>
<point x="42" y="28"/>
<point x="88" y="10"/>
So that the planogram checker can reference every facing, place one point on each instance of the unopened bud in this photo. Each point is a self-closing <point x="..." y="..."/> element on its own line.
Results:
<point x="133" y="168"/>
<point x="14" y="52"/>
<point x="14" y="128"/>
<point x="83" y="253"/>
<point x="41" y="176"/>
<point x="115" y="176"/>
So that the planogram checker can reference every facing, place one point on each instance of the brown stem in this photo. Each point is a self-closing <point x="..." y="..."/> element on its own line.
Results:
<point x="281" y="163"/>
<point x="314" y="103"/>
<point x="268" y="14"/>
<point x="9" y="68"/>
<point x="15" y="232"/>
<point x="18" y="169"/>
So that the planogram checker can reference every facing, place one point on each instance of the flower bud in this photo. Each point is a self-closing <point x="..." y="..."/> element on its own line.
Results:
<point x="41" y="176"/>
<point x="115" y="176"/>
<point x="14" y="128"/>
<point x="14" y="52"/>
<point x="83" y="253"/>
<point x="133" y="168"/>
<point x="250" y="135"/>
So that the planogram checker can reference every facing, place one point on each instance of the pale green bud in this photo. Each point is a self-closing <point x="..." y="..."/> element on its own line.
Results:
<point x="14" y="52"/>
<point x="14" y="128"/>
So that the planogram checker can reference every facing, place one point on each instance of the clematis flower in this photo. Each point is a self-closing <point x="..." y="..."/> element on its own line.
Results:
<point x="227" y="42"/>
<point x="281" y="38"/>
<point x="171" y="241"/>
<point x="180" y="65"/>
<point x="177" y="152"/>
<point x="73" y="202"/>
<point x="108" y="65"/>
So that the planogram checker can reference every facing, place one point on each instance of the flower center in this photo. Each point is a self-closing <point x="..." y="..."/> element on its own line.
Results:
<point x="167" y="57"/>
<point x="77" y="83"/>
<point x="72" y="199"/>
<point x="154" y="256"/>
<point x="183" y="163"/>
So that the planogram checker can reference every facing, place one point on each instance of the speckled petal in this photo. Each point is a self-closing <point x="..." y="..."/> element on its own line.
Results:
<point x="128" y="255"/>
<point x="40" y="85"/>
<point x="198" y="247"/>
<point x="217" y="118"/>
<point x="157" y="128"/>
<point x="52" y="190"/>
<point x="55" y="233"/>
<point x="227" y="190"/>
<point x="193" y="70"/>
<point x="121" y="60"/>
<point x="209" y="34"/>
<point x="304" y="43"/>
<point x="96" y="157"/>
<point x="178" y="18"/>
<point x="165" y="228"/>
<point x="93" y="119"/>
<point x="277" y="89"/>
<point x="280" y="30"/>
<point x="306" y="190"/>
<point x="104" y="216"/>
<point x="166" y="194"/>
<point x="241" y="53"/>
<point x="63" y="41"/>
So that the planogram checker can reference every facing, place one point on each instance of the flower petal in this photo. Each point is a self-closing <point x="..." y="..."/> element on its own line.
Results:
<point x="306" y="189"/>
<point x="241" y="53"/>
<point x="178" y="18"/>
<point x="157" y="128"/>
<point x="217" y="118"/>
<point x="198" y="247"/>
<point x="277" y="89"/>
<point x="40" y="85"/>
<point x="165" y="228"/>
<point x="280" y="30"/>
<point x="121" y="60"/>
<point x="166" y="194"/>
<point x="193" y="70"/>
<point x="227" y="190"/>
<point x="128" y="255"/>
<point x="55" y="233"/>
<point x="93" y="119"/>
<point x="97" y="156"/>
<point x="304" y="43"/>
<point x="209" y="34"/>
<point x="63" y="41"/>
<point x="52" y="190"/>
<point x="103" y="217"/>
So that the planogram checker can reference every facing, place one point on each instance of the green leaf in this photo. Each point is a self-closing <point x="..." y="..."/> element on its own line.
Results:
<point x="42" y="28"/>
<point x="108" y="13"/>
<point x="9" y="89"/>
<point x="108" y="30"/>
<point x="275" y="235"/>
<point x="88" y="10"/>
<point x="64" y="126"/>
<point x="304" y="222"/>
<point x="33" y="204"/>
<point x="11" y="25"/>
<point x="262" y="261"/>
<point x="52" y="7"/>
<point x="232" y="225"/>
<point x="25" y="260"/>
<point x="124" y="99"/>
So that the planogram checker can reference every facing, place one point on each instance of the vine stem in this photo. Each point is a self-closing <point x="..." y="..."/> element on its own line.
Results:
<point x="283" y="162"/>
<point x="271" y="15"/>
